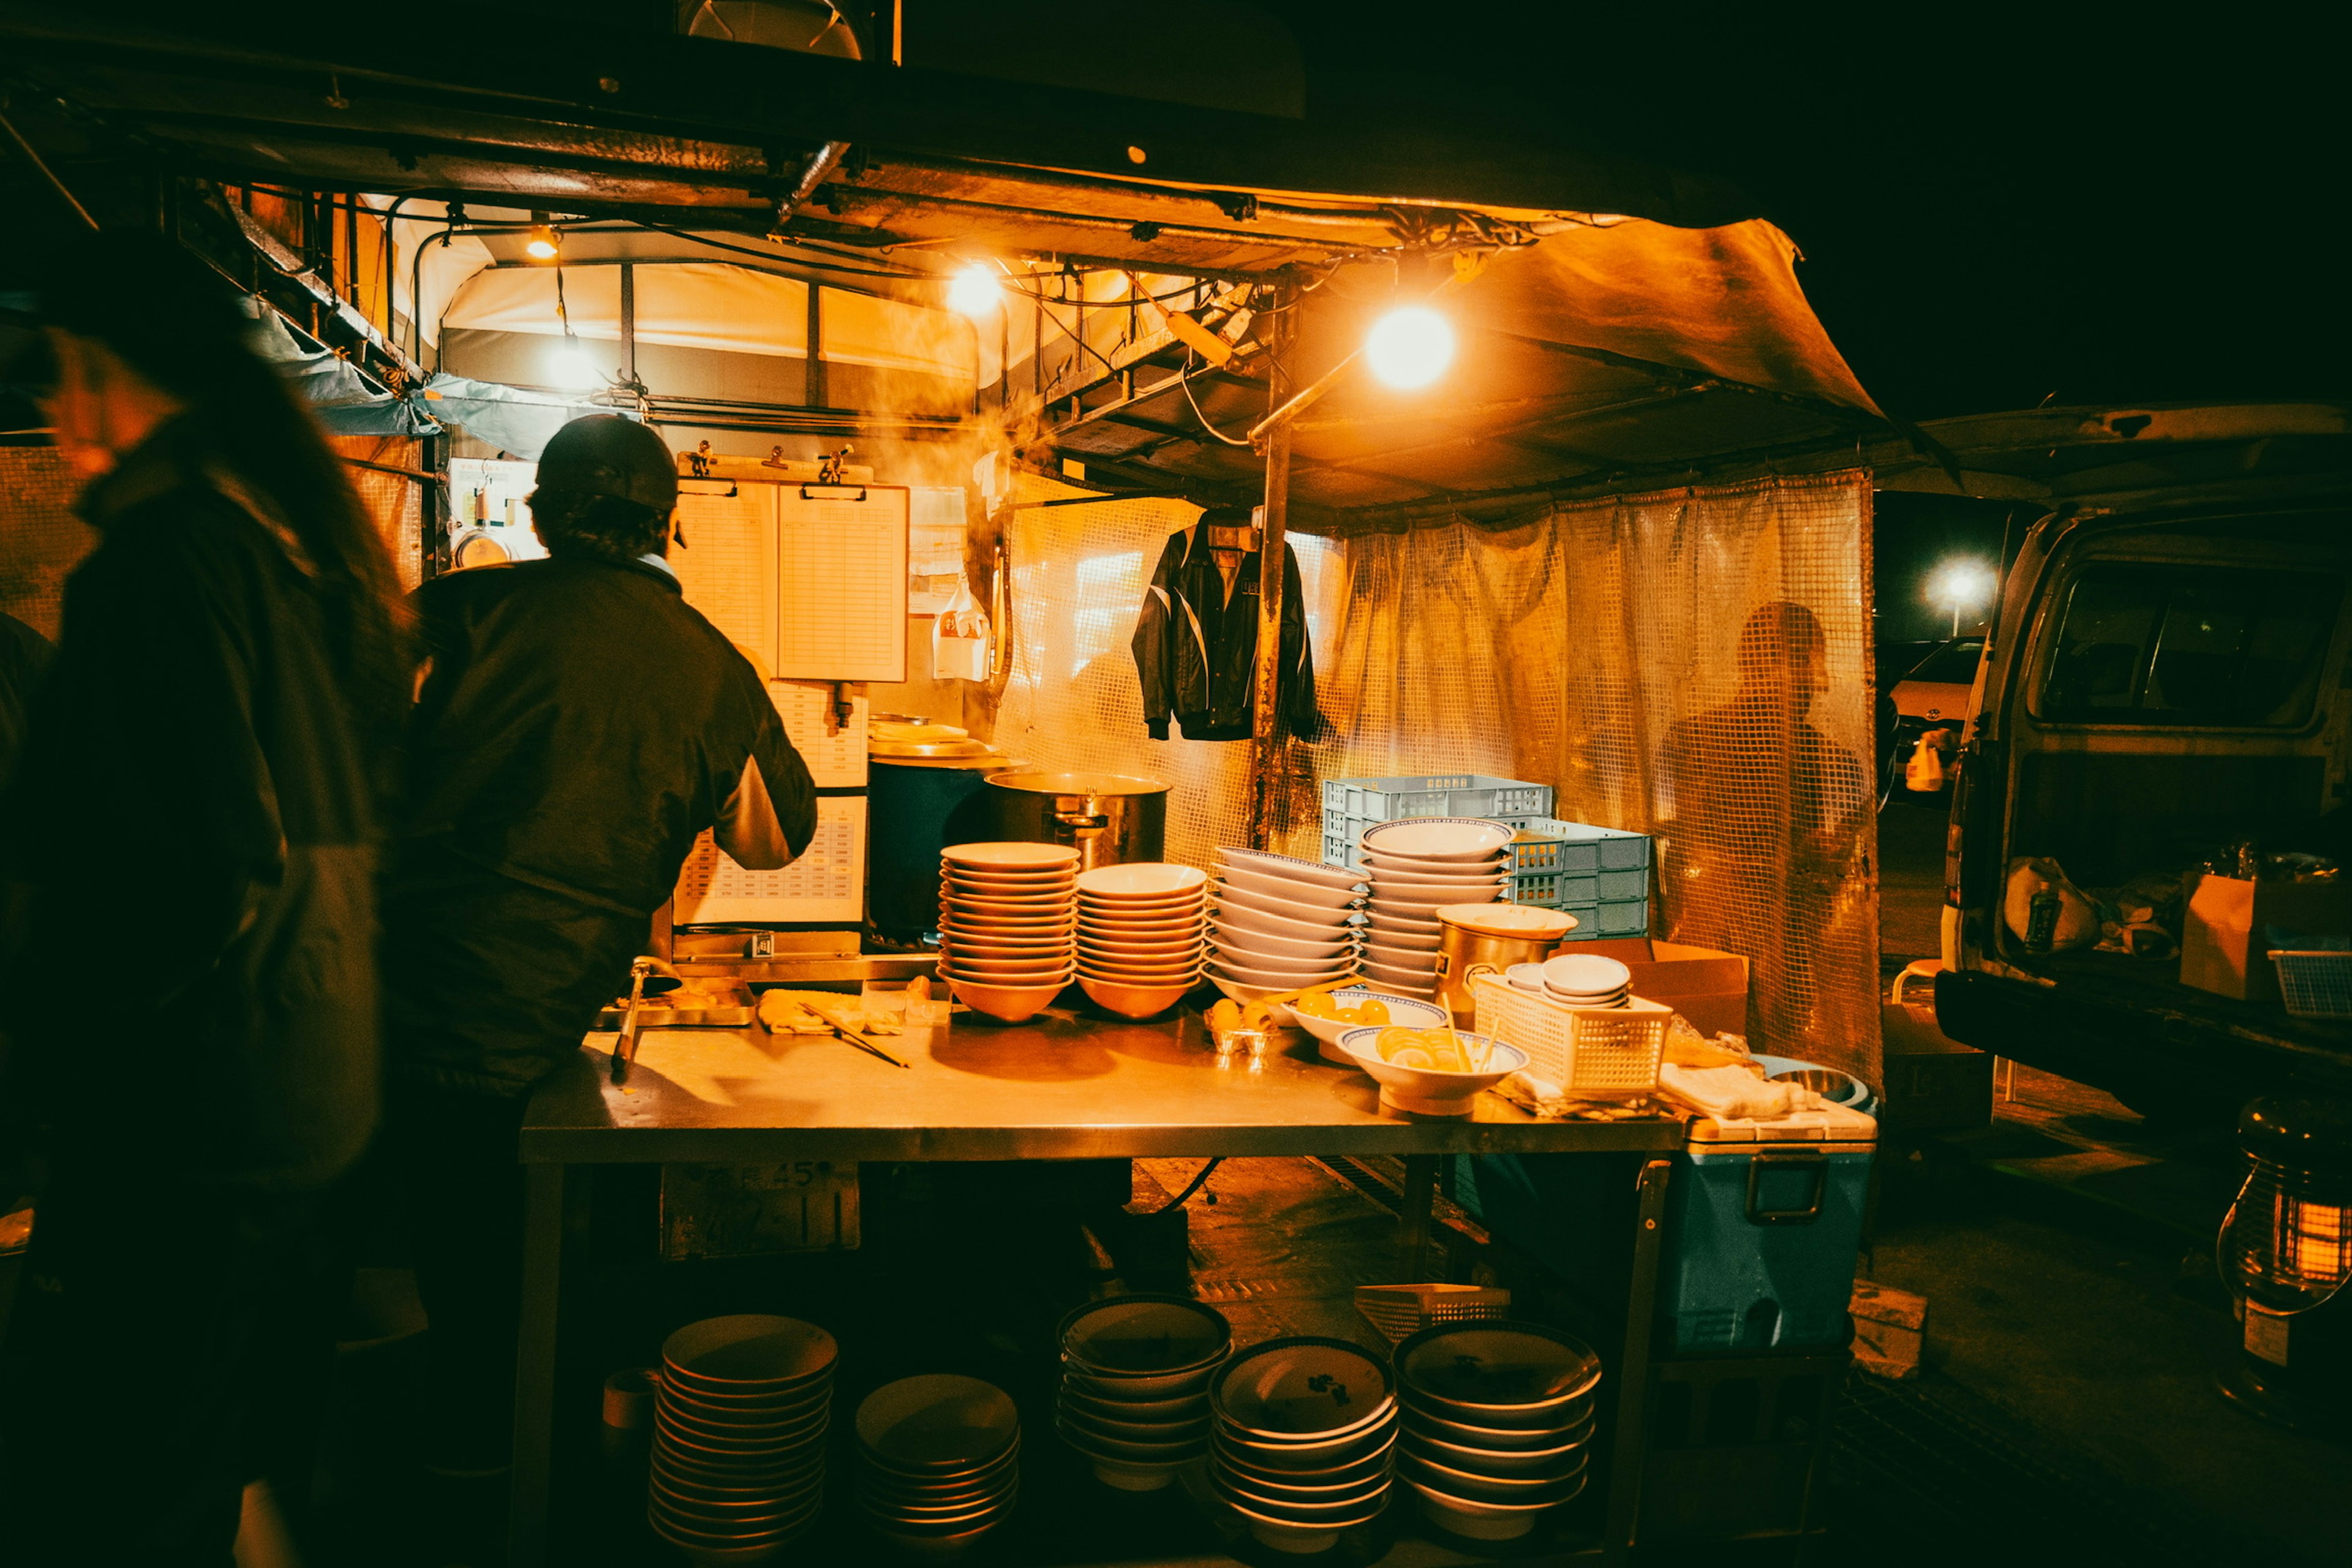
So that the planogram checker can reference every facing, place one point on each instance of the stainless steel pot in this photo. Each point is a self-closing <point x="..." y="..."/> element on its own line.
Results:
<point x="1487" y="939"/>
<point x="1107" y="818"/>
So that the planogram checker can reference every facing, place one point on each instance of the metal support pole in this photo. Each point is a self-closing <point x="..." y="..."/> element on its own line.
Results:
<point x="529" y="1515"/>
<point x="1413" y="1221"/>
<point x="1265" y="715"/>
<point x="1628" y="1457"/>
<point x="813" y="393"/>
<point x="629" y="321"/>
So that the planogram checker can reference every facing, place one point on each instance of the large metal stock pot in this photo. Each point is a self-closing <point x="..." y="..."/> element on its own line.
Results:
<point x="1109" y="818"/>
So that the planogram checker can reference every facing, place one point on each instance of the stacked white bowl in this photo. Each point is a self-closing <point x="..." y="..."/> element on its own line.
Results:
<point x="942" y="1461"/>
<point x="1135" y="1386"/>
<point x="1497" y="1417"/>
<point x="1417" y="866"/>
<point x="1140" y="928"/>
<point x="1306" y="1429"/>
<point x="1281" y="923"/>
<point x="739" y="1436"/>
<point x="1008" y="916"/>
<point x="1587" y="980"/>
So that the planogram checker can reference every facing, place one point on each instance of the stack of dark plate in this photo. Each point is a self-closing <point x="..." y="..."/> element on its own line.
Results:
<point x="739" y="1436"/>
<point x="1498" y="1420"/>
<point x="1135" y="1386"/>
<point x="942" y="1461"/>
<point x="1305" y="1432"/>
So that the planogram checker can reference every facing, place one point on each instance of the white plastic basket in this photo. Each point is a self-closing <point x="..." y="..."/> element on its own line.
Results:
<point x="1399" y="1310"/>
<point x="2315" y="984"/>
<point x="1592" y="1053"/>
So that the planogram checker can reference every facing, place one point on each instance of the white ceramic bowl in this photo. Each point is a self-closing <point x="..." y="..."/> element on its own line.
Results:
<point x="1587" y="974"/>
<point x="1021" y="881"/>
<point x="1242" y="991"/>
<point x="1478" y="1521"/>
<point x="1013" y="1004"/>
<point x="1326" y="916"/>
<point x="1007" y="971"/>
<point x="1292" y="867"/>
<point x="1007" y="952"/>
<point x="1144" y="1336"/>
<point x="1283" y="946"/>
<point x="1007" y="857"/>
<point x="1393" y="919"/>
<point x="1419" y="865"/>
<point x="1422" y="980"/>
<point x="960" y="920"/>
<point x="1149" y="880"/>
<point x="1425" y="1091"/>
<point x="1404" y="1012"/>
<point x="1438" y="838"/>
<point x="1029" y="911"/>
<point x="1180" y="981"/>
<point x="1432" y="891"/>
<point x="1411" y="910"/>
<point x="1419" y="960"/>
<point x="1300" y="1540"/>
<point x="1504" y="1374"/>
<point x="1395" y="936"/>
<point x="750" y="1356"/>
<point x="1303" y="1390"/>
<point x="1242" y="917"/>
<point x="1469" y="1486"/>
<point x="1145" y="931"/>
<point x="1142" y="909"/>
<point x="1554" y="1463"/>
<point x="1316" y="895"/>
<point x="1258" y="951"/>
<point x="1183" y="946"/>
<point x="1256" y="968"/>
<point x="940" y="1423"/>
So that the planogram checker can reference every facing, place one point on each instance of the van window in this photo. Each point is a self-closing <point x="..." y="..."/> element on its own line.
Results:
<point x="2190" y="645"/>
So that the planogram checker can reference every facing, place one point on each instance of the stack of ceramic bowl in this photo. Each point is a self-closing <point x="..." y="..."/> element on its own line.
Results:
<point x="739" y="1435"/>
<point x="1007" y="916"/>
<point x="1306" y="1429"/>
<point x="1417" y="866"/>
<point x="1496" y="1419"/>
<point x="1135" y="1386"/>
<point x="942" y="1461"/>
<point x="1587" y="980"/>
<point x="1140" y="928"/>
<point x="1281" y="923"/>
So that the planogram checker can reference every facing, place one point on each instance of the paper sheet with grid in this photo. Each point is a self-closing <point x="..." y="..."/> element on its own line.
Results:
<point x="827" y="883"/>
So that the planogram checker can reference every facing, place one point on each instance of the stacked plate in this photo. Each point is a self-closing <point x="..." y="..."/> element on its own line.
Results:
<point x="1140" y="929"/>
<point x="942" y="1461"/>
<point x="1135" y="1386"/>
<point x="1417" y="866"/>
<point x="1281" y="923"/>
<point x="1008" y="913"/>
<point x="1587" y="980"/>
<point x="1497" y="1417"/>
<point x="1305" y="1432"/>
<point x="739" y="1436"/>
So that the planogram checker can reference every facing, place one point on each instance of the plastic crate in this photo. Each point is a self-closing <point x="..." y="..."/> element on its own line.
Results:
<point x="1629" y="918"/>
<point x="1571" y="864"/>
<point x="2315" y="984"/>
<point x="1351" y="805"/>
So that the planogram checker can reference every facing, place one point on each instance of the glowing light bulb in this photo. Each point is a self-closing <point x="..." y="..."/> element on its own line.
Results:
<point x="571" y="369"/>
<point x="1410" y="347"/>
<point x="543" y="244"/>
<point x="974" y="292"/>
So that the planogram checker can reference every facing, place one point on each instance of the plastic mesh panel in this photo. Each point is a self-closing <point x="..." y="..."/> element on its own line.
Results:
<point x="1693" y="666"/>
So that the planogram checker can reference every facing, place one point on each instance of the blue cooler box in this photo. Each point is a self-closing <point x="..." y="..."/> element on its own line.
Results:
<point x="1763" y="1222"/>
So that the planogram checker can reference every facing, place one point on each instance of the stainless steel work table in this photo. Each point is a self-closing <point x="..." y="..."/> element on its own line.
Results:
<point x="1058" y="1086"/>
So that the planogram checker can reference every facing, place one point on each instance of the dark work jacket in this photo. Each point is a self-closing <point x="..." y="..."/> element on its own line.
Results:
<point x="197" y="813"/>
<point x="579" y="725"/>
<point x="1196" y="652"/>
<point x="23" y="655"/>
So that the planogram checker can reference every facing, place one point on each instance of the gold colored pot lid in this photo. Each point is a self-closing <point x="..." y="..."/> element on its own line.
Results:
<point x="1517" y="920"/>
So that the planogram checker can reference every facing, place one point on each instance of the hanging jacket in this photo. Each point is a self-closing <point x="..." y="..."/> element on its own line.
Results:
<point x="1196" y="647"/>
<point x="580" y="725"/>
<point x="197" y="813"/>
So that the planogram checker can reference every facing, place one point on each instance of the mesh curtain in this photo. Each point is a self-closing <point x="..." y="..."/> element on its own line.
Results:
<point x="1692" y="664"/>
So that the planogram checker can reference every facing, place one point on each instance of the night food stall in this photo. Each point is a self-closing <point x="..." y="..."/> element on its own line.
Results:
<point x="1547" y="468"/>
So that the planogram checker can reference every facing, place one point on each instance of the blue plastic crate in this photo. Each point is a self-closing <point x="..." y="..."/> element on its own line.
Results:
<point x="1629" y="917"/>
<point x="1351" y="805"/>
<point x="1573" y="865"/>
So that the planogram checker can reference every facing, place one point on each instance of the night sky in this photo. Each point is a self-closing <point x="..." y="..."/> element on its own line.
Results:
<point x="2122" y="205"/>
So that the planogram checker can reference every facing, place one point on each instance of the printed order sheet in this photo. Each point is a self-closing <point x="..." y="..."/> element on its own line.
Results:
<point x="809" y="578"/>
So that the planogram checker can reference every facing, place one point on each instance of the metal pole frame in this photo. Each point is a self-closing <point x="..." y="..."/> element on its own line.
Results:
<point x="1265" y="715"/>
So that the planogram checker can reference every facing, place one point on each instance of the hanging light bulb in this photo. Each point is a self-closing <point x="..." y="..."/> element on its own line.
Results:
<point x="974" y="292"/>
<point x="1410" y="347"/>
<point x="542" y="244"/>
<point x="571" y="369"/>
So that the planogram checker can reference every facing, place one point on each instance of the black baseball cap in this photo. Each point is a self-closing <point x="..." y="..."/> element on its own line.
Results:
<point x="607" y="455"/>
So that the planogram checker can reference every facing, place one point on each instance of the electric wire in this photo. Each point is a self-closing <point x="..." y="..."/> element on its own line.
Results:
<point x="1186" y="382"/>
<point x="1178" y="1201"/>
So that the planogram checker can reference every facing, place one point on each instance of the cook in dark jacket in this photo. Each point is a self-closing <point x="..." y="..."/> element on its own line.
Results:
<point x="578" y="726"/>
<point x="195" y="826"/>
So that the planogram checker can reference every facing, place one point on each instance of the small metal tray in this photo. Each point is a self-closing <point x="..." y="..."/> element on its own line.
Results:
<point x="688" y="1010"/>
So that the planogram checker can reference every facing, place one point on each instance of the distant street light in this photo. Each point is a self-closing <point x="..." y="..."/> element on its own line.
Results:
<point x="1964" y="585"/>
